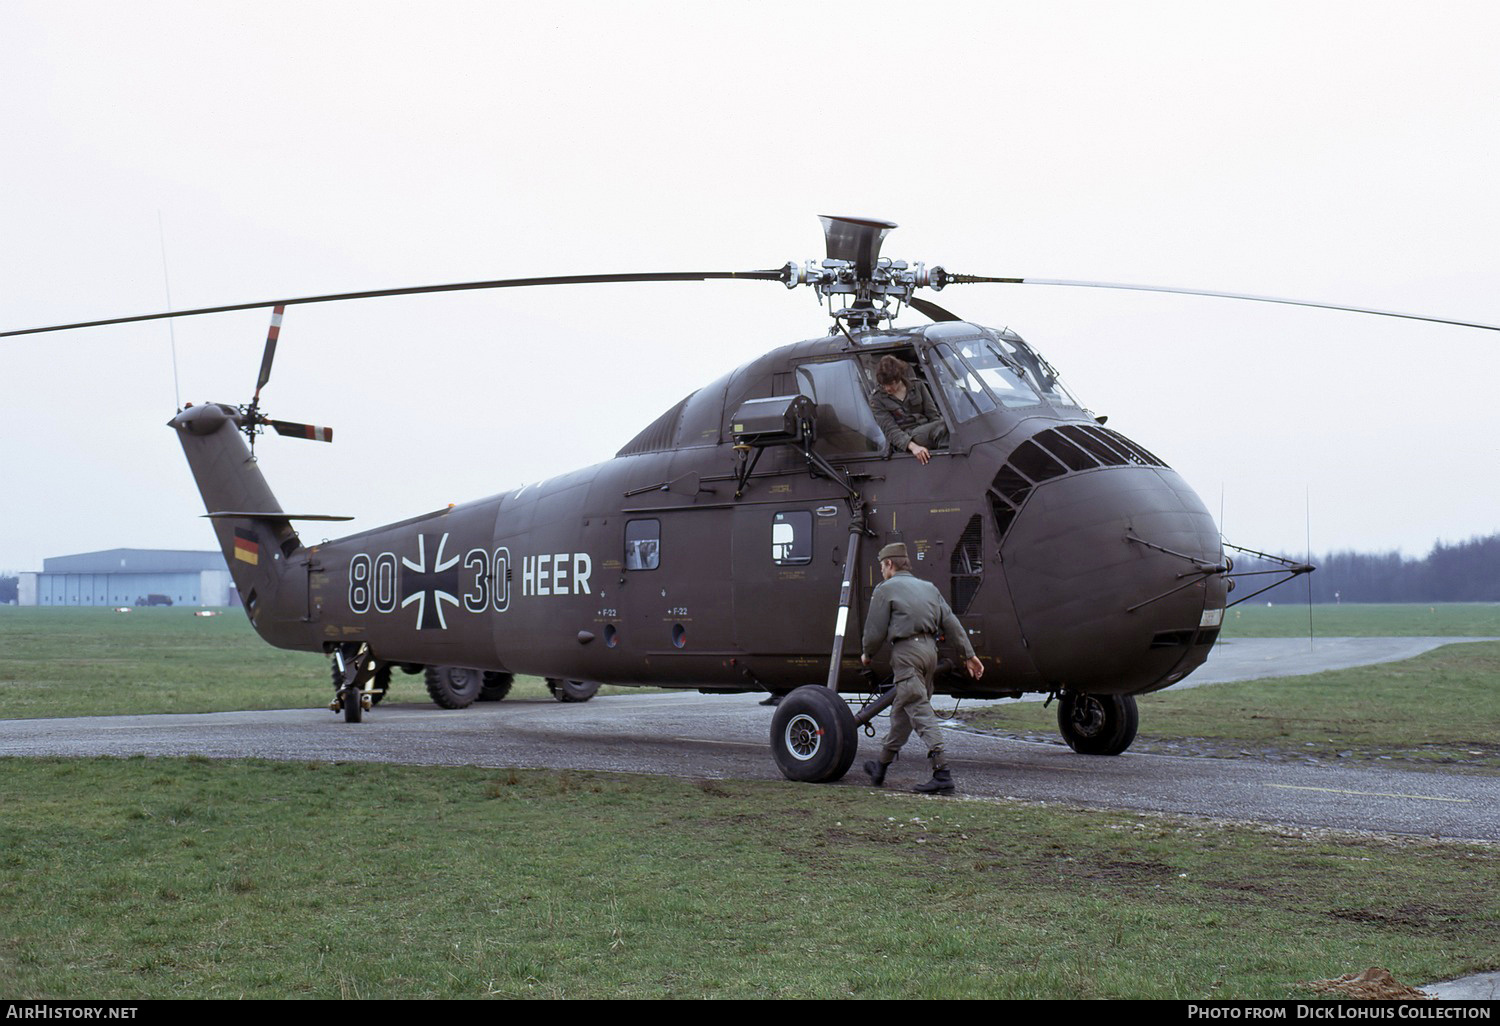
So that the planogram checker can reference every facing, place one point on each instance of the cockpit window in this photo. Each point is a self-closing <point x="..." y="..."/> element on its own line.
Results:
<point x="1039" y="373"/>
<point x="967" y="397"/>
<point x="999" y="368"/>
<point x="845" y="423"/>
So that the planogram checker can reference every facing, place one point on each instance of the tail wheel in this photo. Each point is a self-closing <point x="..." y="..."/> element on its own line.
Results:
<point x="353" y="701"/>
<point x="495" y="686"/>
<point x="813" y="736"/>
<point x="571" y="690"/>
<point x="1097" y="724"/>
<point x="454" y="687"/>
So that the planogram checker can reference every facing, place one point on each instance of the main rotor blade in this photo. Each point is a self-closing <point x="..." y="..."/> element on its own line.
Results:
<point x="778" y="274"/>
<point x="969" y="279"/>
<point x="931" y="310"/>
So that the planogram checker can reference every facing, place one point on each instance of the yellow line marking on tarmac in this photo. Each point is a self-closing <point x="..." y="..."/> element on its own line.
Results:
<point x="1372" y="794"/>
<point x="713" y="741"/>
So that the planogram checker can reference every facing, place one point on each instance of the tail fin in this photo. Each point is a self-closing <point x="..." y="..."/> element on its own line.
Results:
<point x="256" y="536"/>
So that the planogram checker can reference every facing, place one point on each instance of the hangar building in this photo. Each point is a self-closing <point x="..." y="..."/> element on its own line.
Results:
<point x="129" y="577"/>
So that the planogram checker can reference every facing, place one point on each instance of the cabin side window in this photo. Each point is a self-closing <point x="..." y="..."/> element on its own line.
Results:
<point x="642" y="544"/>
<point x="791" y="537"/>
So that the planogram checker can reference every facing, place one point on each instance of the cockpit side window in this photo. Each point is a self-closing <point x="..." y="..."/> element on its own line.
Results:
<point x="966" y="395"/>
<point x="845" y="423"/>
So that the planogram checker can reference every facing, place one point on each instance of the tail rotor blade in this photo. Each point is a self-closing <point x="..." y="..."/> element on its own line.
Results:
<point x="310" y="431"/>
<point x="270" y="353"/>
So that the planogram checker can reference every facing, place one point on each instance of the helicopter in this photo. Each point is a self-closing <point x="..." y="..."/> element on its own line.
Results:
<point x="728" y="547"/>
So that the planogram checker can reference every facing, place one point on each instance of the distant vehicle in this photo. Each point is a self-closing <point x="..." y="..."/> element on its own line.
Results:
<point x="154" y="600"/>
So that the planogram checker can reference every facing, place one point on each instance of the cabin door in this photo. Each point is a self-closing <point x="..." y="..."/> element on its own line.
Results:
<point x="788" y="563"/>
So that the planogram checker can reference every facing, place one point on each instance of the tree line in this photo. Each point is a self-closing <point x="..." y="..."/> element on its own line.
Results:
<point x="1467" y="571"/>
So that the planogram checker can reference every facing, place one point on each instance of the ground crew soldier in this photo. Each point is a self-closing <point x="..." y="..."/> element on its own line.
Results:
<point x="910" y="613"/>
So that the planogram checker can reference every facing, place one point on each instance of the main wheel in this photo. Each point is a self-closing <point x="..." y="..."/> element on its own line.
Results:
<point x="571" y="690"/>
<point x="454" y="687"/>
<point x="495" y="686"/>
<point x="813" y="736"/>
<point x="1097" y="724"/>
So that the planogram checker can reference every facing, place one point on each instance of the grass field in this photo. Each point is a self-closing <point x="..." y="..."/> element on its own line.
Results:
<point x="1290" y="620"/>
<point x="196" y="878"/>
<point x="1437" y="711"/>
<point x="84" y="662"/>
<point x="95" y="662"/>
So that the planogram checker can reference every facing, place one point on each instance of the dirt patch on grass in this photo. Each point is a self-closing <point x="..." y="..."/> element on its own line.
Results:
<point x="1373" y="984"/>
<point x="1424" y="918"/>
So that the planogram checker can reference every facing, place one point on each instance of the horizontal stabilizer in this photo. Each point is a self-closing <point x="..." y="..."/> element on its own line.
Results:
<point x="317" y="434"/>
<point x="229" y="514"/>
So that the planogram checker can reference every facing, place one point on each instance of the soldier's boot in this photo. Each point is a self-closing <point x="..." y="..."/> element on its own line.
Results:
<point x="942" y="777"/>
<point x="876" y="770"/>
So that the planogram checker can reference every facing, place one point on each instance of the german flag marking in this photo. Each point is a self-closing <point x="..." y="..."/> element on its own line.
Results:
<point x="246" y="548"/>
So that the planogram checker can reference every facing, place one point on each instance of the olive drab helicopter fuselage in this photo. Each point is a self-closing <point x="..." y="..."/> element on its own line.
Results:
<point x="660" y="567"/>
<point x="729" y="547"/>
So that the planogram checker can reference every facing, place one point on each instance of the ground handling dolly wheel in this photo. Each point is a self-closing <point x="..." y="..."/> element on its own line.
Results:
<point x="813" y="736"/>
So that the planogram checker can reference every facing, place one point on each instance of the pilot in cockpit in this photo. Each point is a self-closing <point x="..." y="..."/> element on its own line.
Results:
<point x="905" y="411"/>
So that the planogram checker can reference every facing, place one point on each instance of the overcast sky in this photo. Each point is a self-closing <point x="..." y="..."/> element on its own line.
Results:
<point x="1337" y="151"/>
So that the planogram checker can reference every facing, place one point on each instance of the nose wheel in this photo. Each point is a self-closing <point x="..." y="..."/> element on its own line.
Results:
<point x="1097" y="724"/>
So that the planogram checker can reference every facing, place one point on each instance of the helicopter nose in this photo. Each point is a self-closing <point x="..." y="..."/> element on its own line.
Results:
<point x="1112" y="577"/>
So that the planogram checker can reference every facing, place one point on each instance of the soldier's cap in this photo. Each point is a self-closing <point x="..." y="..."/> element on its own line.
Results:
<point x="895" y="550"/>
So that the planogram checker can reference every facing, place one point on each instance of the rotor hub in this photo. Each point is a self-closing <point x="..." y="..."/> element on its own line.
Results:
<point x="870" y="288"/>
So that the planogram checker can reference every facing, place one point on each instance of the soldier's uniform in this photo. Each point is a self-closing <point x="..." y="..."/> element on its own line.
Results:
<point x="910" y="613"/>
<point x="913" y="419"/>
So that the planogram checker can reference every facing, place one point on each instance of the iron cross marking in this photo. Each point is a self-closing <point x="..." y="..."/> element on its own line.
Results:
<point x="429" y="589"/>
